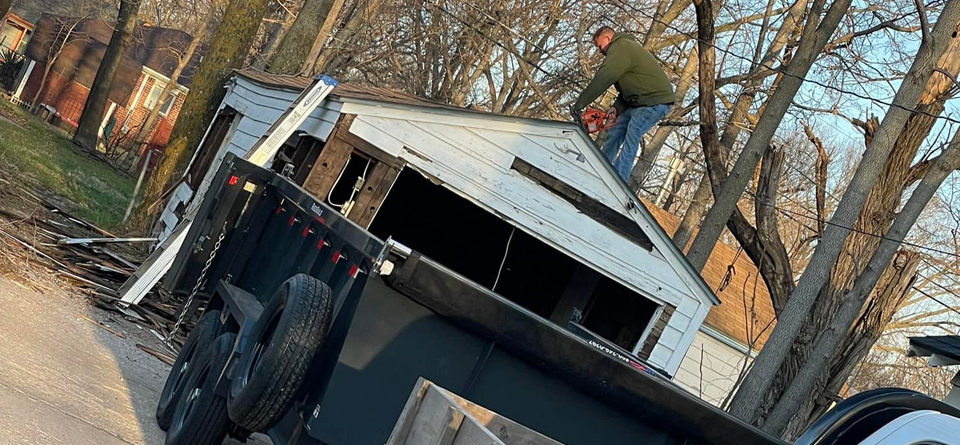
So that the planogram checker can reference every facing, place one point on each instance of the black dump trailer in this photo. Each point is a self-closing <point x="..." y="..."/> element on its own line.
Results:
<point x="315" y="331"/>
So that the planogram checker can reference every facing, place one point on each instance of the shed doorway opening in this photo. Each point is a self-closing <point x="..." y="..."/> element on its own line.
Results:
<point x="495" y="254"/>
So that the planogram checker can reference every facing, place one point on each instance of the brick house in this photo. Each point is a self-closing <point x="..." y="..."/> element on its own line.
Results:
<point x="76" y="47"/>
<point x="734" y="331"/>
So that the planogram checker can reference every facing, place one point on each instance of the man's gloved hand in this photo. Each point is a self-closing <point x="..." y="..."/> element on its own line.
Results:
<point x="611" y="116"/>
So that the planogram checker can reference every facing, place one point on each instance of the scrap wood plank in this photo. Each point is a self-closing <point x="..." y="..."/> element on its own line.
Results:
<point x="103" y="326"/>
<point x="162" y="356"/>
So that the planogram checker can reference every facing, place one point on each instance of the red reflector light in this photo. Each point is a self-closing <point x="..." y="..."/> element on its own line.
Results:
<point x="233" y="180"/>
<point x="335" y="258"/>
<point x="320" y="243"/>
<point x="306" y="231"/>
<point x="354" y="271"/>
<point x="293" y="219"/>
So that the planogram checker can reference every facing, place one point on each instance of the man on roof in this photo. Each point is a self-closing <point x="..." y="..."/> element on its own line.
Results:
<point x="646" y="95"/>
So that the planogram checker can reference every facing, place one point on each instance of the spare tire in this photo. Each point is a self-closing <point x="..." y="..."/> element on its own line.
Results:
<point x="203" y="334"/>
<point x="283" y="341"/>
<point x="200" y="416"/>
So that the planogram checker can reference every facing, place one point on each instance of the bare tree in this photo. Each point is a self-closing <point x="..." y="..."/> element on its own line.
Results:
<point x="851" y="307"/>
<point x="297" y="42"/>
<point x="750" y="395"/>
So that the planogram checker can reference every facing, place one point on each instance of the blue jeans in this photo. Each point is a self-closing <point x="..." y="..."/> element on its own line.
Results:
<point x="628" y="132"/>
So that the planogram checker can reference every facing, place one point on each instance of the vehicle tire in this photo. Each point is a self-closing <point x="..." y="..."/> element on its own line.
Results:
<point x="203" y="334"/>
<point x="200" y="415"/>
<point x="283" y="342"/>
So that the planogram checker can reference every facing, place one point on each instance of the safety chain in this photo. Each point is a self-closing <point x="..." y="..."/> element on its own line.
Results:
<point x="196" y="287"/>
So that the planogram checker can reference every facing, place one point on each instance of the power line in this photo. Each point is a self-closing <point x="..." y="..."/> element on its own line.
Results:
<point x="941" y="303"/>
<point x="783" y="72"/>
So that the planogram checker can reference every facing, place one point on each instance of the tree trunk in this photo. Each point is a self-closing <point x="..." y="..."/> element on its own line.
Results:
<point x="92" y="116"/>
<point x="146" y="130"/>
<point x="888" y="298"/>
<point x="330" y="62"/>
<point x="853" y="302"/>
<point x="747" y="402"/>
<point x="878" y="212"/>
<point x="228" y="51"/>
<point x="762" y="244"/>
<point x="814" y="38"/>
<point x="739" y="120"/>
<point x="309" y="64"/>
<point x="297" y="42"/>
<point x="274" y="37"/>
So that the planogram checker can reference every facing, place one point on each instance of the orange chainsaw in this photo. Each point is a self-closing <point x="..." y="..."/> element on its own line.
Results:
<point x="595" y="120"/>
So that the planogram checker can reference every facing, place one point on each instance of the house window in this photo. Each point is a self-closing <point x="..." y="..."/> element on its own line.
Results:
<point x="10" y="36"/>
<point x="153" y="98"/>
<point x="154" y="95"/>
<point x="168" y="105"/>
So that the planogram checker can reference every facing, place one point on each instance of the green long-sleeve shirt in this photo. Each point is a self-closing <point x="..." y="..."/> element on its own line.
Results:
<point x="635" y="73"/>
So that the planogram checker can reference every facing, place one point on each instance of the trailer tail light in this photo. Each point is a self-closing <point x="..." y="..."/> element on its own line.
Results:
<point x="293" y="219"/>
<point x="321" y="244"/>
<point x="336" y="257"/>
<point x="233" y="180"/>
<point x="354" y="271"/>
<point x="306" y="231"/>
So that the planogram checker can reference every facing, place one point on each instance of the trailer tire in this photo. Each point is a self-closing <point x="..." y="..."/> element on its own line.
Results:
<point x="200" y="416"/>
<point x="274" y="363"/>
<point x="203" y="334"/>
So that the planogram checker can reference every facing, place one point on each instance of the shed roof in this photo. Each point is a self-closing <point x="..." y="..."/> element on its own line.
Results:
<point x="348" y="90"/>
<point x="943" y="350"/>
<point x="746" y="313"/>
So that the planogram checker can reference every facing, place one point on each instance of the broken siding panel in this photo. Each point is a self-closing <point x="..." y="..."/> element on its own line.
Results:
<point x="559" y="157"/>
<point x="689" y="328"/>
<point x="535" y="209"/>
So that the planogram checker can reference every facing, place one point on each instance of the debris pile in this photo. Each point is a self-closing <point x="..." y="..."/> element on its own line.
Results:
<point x="36" y="229"/>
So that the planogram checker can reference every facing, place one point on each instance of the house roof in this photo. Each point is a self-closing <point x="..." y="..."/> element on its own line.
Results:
<point x="943" y="350"/>
<point x="156" y="48"/>
<point x="746" y="313"/>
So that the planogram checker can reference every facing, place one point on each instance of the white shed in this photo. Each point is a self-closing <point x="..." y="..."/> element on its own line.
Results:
<point x="526" y="207"/>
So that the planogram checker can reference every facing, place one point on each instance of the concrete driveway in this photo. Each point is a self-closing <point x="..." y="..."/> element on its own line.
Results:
<point x="66" y="380"/>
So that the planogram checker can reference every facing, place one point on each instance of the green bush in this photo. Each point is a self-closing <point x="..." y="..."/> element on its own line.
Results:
<point x="10" y="64"/>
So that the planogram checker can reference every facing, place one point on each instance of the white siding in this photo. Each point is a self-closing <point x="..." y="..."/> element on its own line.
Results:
<point x="713" y="377"/>
<point x="473" y="157"/>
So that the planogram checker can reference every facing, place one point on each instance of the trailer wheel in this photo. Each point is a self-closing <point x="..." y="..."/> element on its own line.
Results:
<point x="203" y="334"/>
<point x="274" y="362"/>
<point x="200" y="416"/>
